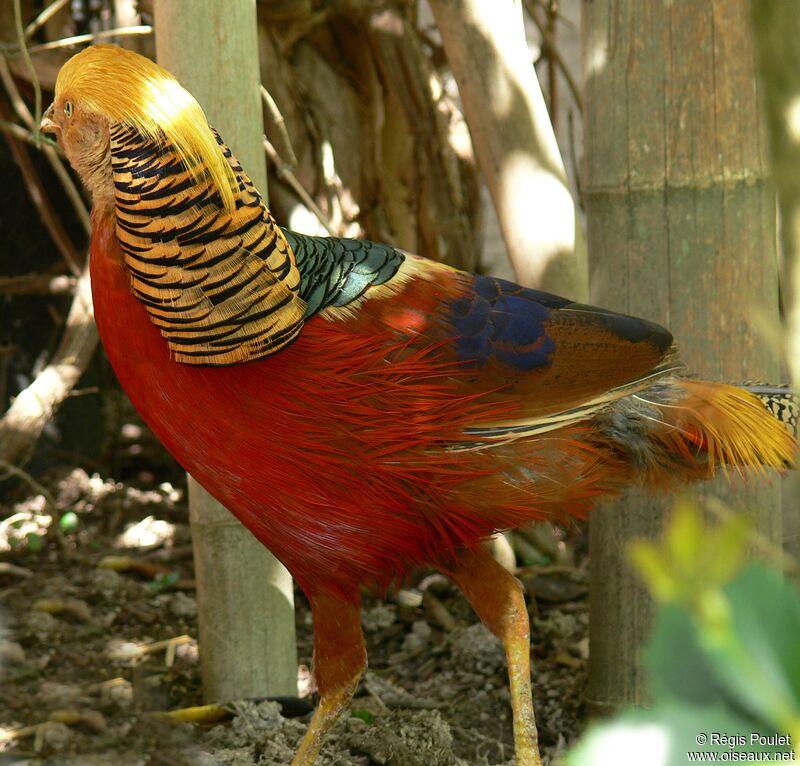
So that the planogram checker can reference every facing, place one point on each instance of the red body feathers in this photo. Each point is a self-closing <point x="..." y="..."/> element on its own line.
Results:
<point x="327" y="454"/>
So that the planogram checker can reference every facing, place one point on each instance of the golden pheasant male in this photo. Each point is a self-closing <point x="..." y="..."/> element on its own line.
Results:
<point x="363" y="410"/>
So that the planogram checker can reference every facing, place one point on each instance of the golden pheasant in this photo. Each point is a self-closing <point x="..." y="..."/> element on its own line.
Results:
<point x="362" y="410"/>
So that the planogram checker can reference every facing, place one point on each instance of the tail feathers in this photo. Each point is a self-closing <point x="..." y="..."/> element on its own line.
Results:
<point x="781" y="400"/>
<point x="721" y="425"/>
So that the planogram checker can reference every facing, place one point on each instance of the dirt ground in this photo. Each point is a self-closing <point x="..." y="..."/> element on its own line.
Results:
<point x="88" y="652"/>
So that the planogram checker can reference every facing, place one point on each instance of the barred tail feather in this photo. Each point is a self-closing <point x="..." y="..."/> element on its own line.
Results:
<point x="781" y="400"/>
<point x="724" y="426"/>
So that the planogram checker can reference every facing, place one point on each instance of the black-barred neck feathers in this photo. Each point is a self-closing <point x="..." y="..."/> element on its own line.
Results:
<point x="104" y="83"/>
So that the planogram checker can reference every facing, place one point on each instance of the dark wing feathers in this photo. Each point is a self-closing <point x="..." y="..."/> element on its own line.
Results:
<point x="501" y="321"/>
<point x="335" y="272"/>
<point x="525" y="329"/>
<point x="546" y="352"/>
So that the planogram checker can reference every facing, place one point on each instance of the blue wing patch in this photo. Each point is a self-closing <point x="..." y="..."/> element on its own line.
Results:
<point x="504" y="321"/>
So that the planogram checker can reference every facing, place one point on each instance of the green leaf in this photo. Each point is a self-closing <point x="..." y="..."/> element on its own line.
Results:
<point x="655" y="569"/>
<point x="163" y="581"/>
<point x="664" y="735"/>
<point x="35" y="542"/>
<point x="761" y="666"/>
<point x="364" y="715"/>
<point x="730" y="541"/>
<point x="677" y="667"/>
<point x="684" y="536"/>
<point x="693" y="560"/>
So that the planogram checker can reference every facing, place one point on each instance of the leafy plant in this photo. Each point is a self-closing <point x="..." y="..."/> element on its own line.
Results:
<point x="723" y="662"/>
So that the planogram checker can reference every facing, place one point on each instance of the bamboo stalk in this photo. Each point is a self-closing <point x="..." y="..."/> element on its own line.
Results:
<point x="681" y="230"/>
<point x="777" y="31"/>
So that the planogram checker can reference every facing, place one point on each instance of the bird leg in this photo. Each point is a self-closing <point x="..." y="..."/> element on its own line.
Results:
<point x="496" y="596"/>
<point x="340" y="658"/>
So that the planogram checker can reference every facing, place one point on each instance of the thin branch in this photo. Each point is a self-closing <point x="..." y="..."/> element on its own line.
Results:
<point x="51" y="150"/>
<point x="560" y="17"/>
<point x="72" y="191"/>
<point x="543" y="238"/>
<point x="38" y="284"/>
<point x="552" y="66"/>
<point x="573" y="158"/>
<point x="66" y="42"/>
<point x="22" y="134"/>
<point x="442" y="192"/>
<point x="41" y="200"/>
<point x="32" y="409"/>
<point x="551" y="50"/>
<point x="44" y="17"/>
<point x="26" y="57"/>
<point x="280" y="126"/>
<point x="8" y="469"/>
<point x="285" y="173"/>
<point x="20" y="107"/>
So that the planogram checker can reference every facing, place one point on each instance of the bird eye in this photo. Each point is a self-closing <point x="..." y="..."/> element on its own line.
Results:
<point x="68" y="109"/>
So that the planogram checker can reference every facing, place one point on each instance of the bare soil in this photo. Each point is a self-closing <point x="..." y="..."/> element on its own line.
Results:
<point x="88" y="653"/>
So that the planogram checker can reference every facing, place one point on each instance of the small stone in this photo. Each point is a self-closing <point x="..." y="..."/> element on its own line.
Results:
<point x="555" y="589"/>
<point x="123" y="651"/>
<point x="54" y="736"/>
<point x="149" y="532"/>
<point x="182" y="605"/>
<point x="78" y="609"/>
<point x="72" y="607"/>
<point x="11" y="653"/>
<point x="120" y="692"/>
<point x="42" y="624"/>
<point x="56" y="694"/>
<point x="418" y="638"/>
<point x="476" y="649"/>
<point x="380" y="617"/>
<point x="188" y="652"/>
<point x="107" y="581"/>
<point x="409" y="598"/>
<point x="564" y="624"/>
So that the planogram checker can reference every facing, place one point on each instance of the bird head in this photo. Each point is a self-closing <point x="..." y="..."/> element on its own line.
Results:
<point x="105" y="85"/>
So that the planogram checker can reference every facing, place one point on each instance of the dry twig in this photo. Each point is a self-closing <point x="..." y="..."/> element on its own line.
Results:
<point x="44" y="17"/>
<point x="51" y="150"/>
<point x="38" y="284"/>
<point x="18" y="132"/>
<point x="41" y="200"/>
<point x="9" y="469"/>
<point x="66" y="42"/>
<point x="550" y="49"/>
<point x="26" y="57"/>
<point x="285" y="173"/>
<point x="23" y="422"/>
<point x="280" y="126"/>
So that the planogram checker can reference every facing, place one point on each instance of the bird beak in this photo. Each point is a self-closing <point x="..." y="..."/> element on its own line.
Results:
<point x="47" y="125"/>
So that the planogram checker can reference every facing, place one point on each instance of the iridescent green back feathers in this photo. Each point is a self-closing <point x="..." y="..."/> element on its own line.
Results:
<point x="336" y="272"/>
